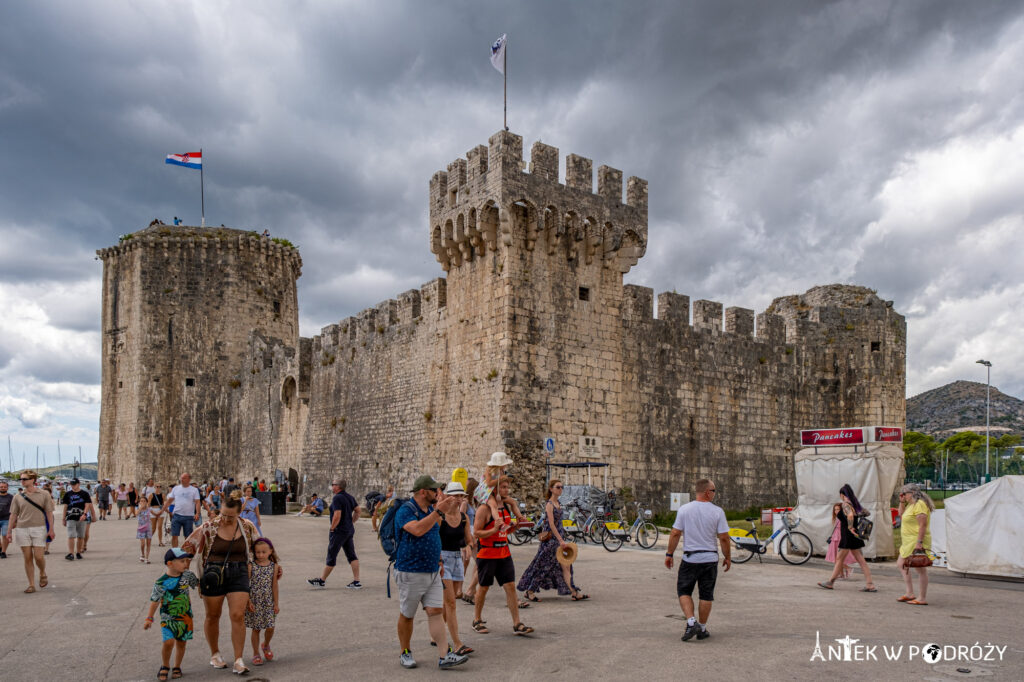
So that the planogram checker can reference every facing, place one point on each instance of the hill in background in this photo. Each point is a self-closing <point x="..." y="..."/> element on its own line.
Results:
<point x="960" y="406"/>
<point x="86" y="471"/>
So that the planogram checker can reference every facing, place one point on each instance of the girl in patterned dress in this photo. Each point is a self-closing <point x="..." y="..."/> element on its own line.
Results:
<point x="144" y="533"/>
<point x="263" y="601"/>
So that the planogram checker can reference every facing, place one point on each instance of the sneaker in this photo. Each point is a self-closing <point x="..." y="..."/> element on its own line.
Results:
<point x="451" y="660"/>
<point x="354" y="585"/>
<point x="69" y="556"/>
<point x="3" y="555"/>
<point x="691" y="632"/>
<point x="78" y="555"/>
<point x="407" y="660"/>
<point x="317" y="582"/>
<point x="703" y="634"/>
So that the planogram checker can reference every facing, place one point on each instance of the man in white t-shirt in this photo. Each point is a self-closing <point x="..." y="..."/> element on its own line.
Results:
<point x="700" y="523"/>
<point x="185" y="499"/>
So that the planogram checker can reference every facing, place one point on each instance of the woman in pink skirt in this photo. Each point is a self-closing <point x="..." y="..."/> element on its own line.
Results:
<point x="833" y="542"/>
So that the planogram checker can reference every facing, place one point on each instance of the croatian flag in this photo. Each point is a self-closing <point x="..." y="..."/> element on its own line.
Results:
<point x="188" y="160"/>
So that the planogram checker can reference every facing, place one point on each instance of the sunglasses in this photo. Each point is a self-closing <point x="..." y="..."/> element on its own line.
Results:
<point x="557" y="487"/>
<point x="26" y="479"/>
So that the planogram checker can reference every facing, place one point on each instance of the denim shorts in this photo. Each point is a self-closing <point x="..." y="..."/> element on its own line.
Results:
<point x="453" y="567"/>
<point x="236" y="579"/>
<point x="181" y="523"/>
<point x="3" y="526"/>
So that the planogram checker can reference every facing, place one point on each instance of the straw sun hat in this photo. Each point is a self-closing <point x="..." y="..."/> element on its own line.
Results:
<point x="567" y="555"/>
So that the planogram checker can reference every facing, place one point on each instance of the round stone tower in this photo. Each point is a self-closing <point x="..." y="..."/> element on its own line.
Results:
<point x="178" y="306"/>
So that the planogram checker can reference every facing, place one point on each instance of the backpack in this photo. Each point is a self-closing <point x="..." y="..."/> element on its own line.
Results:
<point x="862" y="525"/>
<point x="389" y="533"/>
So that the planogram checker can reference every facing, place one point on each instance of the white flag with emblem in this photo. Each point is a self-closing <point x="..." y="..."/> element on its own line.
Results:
<point x="498" y="53"/>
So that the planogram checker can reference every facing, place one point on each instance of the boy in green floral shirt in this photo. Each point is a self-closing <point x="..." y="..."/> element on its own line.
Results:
<point x="171" y="592"/>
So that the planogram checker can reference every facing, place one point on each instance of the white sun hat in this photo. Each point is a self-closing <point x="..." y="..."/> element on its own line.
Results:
<point x="454" y="488"/>
<point x="499" y="459"/>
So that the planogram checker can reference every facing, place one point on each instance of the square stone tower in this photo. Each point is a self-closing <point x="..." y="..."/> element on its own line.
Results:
<point x="540" y="263"/>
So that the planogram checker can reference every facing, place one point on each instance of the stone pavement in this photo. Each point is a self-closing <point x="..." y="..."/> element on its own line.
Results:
<point x="89" y="621"/>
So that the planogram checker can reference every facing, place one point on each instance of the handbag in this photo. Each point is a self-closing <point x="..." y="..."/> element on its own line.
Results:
<point x="862" y="526"/>
<point x="545" y="536"/>
<point x="919" y="559"/>
<point x="213" y="574"/>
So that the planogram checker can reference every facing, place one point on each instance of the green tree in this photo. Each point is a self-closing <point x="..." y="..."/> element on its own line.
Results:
<point x="919" y="452"/>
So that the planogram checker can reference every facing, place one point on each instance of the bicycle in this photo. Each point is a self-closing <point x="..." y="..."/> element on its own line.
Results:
<point x="645" y="532"/>
<point x="527" y="529"/>
<point x="794" y="547"/>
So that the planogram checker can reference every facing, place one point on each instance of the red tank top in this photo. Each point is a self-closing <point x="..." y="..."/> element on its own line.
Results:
<point x="495" y="546"/>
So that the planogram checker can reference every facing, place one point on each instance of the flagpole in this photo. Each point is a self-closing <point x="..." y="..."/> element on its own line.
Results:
<point x="202" y="191"/>
<point x="504" y="56"/>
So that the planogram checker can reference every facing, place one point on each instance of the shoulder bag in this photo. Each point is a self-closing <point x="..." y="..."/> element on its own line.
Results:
<point x="213" y="574"/>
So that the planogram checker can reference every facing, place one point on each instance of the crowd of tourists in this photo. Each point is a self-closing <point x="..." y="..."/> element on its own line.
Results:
<point x="448" y="542"/>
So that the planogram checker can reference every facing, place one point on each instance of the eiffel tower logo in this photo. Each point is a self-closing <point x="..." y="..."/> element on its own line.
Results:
<point x="817" y="647"/>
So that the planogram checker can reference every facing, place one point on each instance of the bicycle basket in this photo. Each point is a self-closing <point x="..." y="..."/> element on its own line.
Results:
<point x="648" y="514"/>
<point x="791" y="520"/>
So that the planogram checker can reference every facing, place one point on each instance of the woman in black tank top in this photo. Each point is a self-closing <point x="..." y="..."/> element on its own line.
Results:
<point x="454" y="532"/>
<point x="156" y="503"/>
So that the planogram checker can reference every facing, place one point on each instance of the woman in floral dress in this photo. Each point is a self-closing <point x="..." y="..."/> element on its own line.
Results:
<point x="544" y="572"/>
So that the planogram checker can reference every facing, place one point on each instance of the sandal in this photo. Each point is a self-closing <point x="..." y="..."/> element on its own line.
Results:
<point x="464" y="650"/>
<point x="30" y="589"/>
<point x="915" y="602"/>
<point x="523" y="604"/>
<point x="175" y="673"/>
<point x="906" y="598"/>
<point x="268" y="655"/>
<point x="532" y="597"/>
<point x="257" y="660"/>
<point x="826" y="585"/>
<point x="469" y="600"/>
<point x="869" y="588"/>
<point x="217" y="661"/>
<point x="239" y="671"/>
<point x="579" y="596"/>
<point x="163" y="672"/>
<point x="521" y="629"/>
<point x="43" y="581"/>
<point x="478" y="626"/>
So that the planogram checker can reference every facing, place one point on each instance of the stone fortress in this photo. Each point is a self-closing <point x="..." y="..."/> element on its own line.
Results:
<point x="532" y="335"/>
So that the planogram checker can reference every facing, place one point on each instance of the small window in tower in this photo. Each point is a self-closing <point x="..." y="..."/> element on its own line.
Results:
<point x="156" y="379"/>
<point x="876" y="346"/>
<point x="584" y="293"/>
<point x="189" y="381"/>
<point x="120" y="384"/>
<point x="277" y="307"/>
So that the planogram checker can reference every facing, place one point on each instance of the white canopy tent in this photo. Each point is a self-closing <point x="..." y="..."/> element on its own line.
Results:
<point x="872" y="470"/>
<point x="983" y="529"/>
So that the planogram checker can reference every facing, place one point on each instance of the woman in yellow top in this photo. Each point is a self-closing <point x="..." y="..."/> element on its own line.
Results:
<point x="915" y="511"/>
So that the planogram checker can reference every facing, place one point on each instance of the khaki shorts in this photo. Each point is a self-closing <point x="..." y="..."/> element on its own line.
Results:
<point x="76" y="529"/>
<point x="419" y="588"/>
<point x="33" y="536"/>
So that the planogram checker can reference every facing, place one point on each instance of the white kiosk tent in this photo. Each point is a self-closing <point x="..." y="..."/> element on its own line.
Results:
<point x="870" y="459"/>
<point x="983" y="531"/>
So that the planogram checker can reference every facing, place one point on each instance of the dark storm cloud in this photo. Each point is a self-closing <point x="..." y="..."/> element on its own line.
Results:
<point x="787" y="144"/>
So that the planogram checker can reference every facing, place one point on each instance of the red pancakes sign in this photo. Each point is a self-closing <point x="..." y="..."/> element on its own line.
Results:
<point x="888" y="434"/>
<point x="813" y="437"/>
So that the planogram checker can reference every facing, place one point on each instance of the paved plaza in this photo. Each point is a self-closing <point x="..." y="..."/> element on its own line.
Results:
<point x="88" y="622"/>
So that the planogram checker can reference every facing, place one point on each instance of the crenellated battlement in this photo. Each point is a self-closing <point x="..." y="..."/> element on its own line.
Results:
<point x="793" y="320"/>
<point x="489" y="200"/>
<point x="204" y="242"/>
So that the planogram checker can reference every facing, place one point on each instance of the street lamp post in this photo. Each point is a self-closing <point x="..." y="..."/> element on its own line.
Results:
<point x="988" y="402"/>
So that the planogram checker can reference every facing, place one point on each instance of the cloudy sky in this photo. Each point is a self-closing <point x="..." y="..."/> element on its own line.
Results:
<point x="787" y="144"/>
